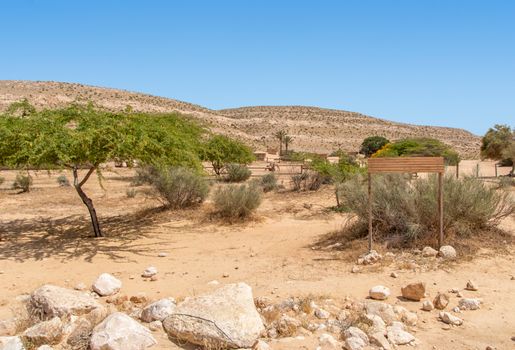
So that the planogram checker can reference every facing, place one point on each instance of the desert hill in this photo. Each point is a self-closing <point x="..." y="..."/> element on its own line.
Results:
<point x="314" y="129"/>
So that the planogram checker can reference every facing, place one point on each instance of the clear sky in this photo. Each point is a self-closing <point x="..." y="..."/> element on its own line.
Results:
<point x="434" y="62"/>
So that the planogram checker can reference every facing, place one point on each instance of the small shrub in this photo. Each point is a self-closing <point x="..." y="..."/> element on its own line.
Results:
<point x="297" y="181"/>
<point x="22" y="183"/>
<point x="145" y="175"/>
<point x="62" y="180"/>
<point x="236" y="172"/>
<point x="131" y="193"/>
<point x="179" y="187"/>
<point x="237" y="201"/>
<point x="269" y="182"/>
<point x="308" y="181"/>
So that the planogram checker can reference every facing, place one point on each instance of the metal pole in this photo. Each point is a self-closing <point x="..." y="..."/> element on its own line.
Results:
<point x="369" y="212"/>
<point x="440" y="209"/>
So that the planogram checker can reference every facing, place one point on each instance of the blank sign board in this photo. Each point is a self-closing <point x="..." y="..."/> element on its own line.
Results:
<point x="406" y="165"/>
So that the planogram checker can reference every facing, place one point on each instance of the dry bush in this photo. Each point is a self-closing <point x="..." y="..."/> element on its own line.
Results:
<point x="22" y="183"/>
<point x="268" y="182"/>
<point x="405" y="211"/>
<point x="63" y="181"/>
<point x="131" y="193"/>
<point x="237" y="201"/>
<point x="236" y="172"/>
<point x="308" y="181"/>
<point x="179" y="187"/>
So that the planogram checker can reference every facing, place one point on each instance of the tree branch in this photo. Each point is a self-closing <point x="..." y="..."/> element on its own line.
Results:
<point x="90" y="171"/>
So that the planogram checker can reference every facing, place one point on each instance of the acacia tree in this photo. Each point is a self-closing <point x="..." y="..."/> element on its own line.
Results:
<point x="83" y="139"/>
<point x="221" y="150"/>
<point x="497" y="142"/>
<point x="372" y="144"/>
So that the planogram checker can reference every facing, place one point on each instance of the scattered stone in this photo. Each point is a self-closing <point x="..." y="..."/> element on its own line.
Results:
<point x="153" y="278"/>
<point x="225" y="318"/>
<point x="397" y="335"/>
<point x="120" y="332"/>
<point x="456" y="310"/>
<point x="377" y="324"/>
<point x="8" y="327"/>
<point x="447" y="252"/>
<point x="459" y="295"/>
<point x="427" y="305"/>
<point x="140" y="298"/>
<point x="261" y="345"/>
<point x="450" y="319"/>
<point x="322" y="314"/>
<point x="441" y="301"/>
<point x="383" y="310"/>
<point x="369" y="258"/>
<point x="149" y="272"/>
<point x="354" y="343"/>
<point x="429" y="252"/>
<point x="355" y="269"/>
<point x="408" y="317"/>
<point x="106" y="285"/>
<point x="355" y="332"/>
<point x="158" y="311"/>
<point x="46" y="332"/>
<point x="414" y="291"/>
<point x="162" y="255"/>
<point x="131" y="277"/>
<point x="394" y="275"/>
<point x="80" y="286"/>
<point x="471" y="285"/>
<point x="155" y="326"/>
<point x="117" y="299"/>
<point x="213" y="283"/>
<point x="11" y="343"/>
<point x="379" y="292"/>
<point x="328" y="342"/>
<point x="454" y="290"/>
<point x="469" y="304"/>
<point x="225" y="275"/>
<point x="49" y="301"/>
<point x="380" y="340"/>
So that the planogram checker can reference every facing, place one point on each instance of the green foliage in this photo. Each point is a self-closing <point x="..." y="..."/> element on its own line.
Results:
<point x="22" y="183"/>
<point x="21" y="108"/>
<point x="62" y="180"/>
<point x="268" y="182"/>
<point x="497" y="142"/>
<point x="419" y="147"/>
<point x="221" y="150"/>
<point x="237" y="201"/>
<point x="236" y="172"/>
<point x="336" y="172"/>
<point x="405" y="211"/>
<point x="180" y="187"/>
<point x="372" y="144"/>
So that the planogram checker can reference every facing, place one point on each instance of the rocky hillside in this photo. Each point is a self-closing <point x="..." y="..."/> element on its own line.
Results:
<point x="314" y="129"/>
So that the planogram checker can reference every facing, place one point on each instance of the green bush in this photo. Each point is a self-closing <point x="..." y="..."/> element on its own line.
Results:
<point x="236" y="172"/>
<point x="268" y="182"/>
<point x="179" y="187"/>
<point x="237" y="201"/>
<point x="62" y="180"/>
<point x="145" y="175"/>
<point x="22" y="183"/>
<point x="406" y="211"/>
<point x="419" y="147"/>
<point x="221" y="150"/>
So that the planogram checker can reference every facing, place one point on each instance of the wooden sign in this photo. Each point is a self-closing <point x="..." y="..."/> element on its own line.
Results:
<point x="407" y="165"/>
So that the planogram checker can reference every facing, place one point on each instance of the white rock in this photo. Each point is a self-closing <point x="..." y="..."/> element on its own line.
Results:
<point x="447" y="252"/>
<point x="213" y="283"/>
<point x="379" y="292"/>
<point x="383" y="310"/>
<point x="45" y="347"/>
<point x="49" y="301"/>
<point x="322" y="314"/>
<point x="469" y="304"/>
<point x="378" y="325"/>
<point x="398" y="336"/>
<point x="149" y="272"/>
<point x="162" y="255"/>
<point x="226" y="317"/>
<point x="120" y="332"/>
<point x="406" y="316"/>
<point x="155" y="326"/>
<point x="328" y="342"/>
<point x="355" y="332"/>
<point x="354" y="343"/>
<point x="46" y="332"/>
<point x="427" y="305"/>
<point x="11" y="343"/>
<point x="369" y="258"/>
<point x="471" y="285"/>
<point x="8" y="327"/>
<point x="80" y="286"/>
<point x="106" y="285"/>
<point x="429" y="252"/>
<point x="261" y="345"/>
<point x="158" y="311"/>
<point x="450" y="319"/>
<point x="380" y="340"/>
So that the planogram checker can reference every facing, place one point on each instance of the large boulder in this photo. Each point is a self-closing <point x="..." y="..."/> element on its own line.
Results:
<point x="49" y="301"/>
<point x="46" y="332"/>
<point x="225" y="318"/>
<point x="120" y="332"/>
<point x="397" y="334"/>
<point x="106" y="285"/>
<point x="11" y="343"/>
<point x="414" y="291"/>
<point x="158" y="311"/>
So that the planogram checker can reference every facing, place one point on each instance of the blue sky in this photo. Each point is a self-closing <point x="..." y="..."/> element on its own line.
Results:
<point x="434" y="62"/>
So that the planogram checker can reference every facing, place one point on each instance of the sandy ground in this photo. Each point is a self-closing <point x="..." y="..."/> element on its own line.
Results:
<point x="45" y="238"/>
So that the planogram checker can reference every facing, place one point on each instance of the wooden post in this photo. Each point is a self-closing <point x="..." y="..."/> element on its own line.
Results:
<point x="369" y="212"/>
<point x="458" y="170"/>
<point x="495" y="169"/>
<point x="440" y="209"/>
<point x="477" y="170"/>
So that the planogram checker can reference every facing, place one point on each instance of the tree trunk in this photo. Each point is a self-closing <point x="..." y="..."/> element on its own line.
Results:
<point x="87" y="201"/>
<point x="286" y="146"/>
<point x="280" y="148"/>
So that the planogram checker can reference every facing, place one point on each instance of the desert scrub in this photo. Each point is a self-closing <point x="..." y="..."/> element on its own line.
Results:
<point x="405" y="211"/>
<point x="62" y="181"/>
<point x="1" y="180"/>
<point x="268" y="182"/>
<point x="131" y="193"/>
<point x="237" y="201"/>
<point x="236" y="172"/>
<point x="22" y="183"/>
<point x="308" y="181"/>
<point x="179" y="187"/>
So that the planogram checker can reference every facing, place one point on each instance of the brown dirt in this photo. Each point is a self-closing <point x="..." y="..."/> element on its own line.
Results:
<point x="45" y="238"/>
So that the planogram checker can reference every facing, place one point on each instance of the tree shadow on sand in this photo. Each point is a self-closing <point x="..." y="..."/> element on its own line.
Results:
<point x="71" y="237"/>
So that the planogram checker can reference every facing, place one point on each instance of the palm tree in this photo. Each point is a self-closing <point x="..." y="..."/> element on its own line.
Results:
<point x="280" y="136"/>
<point x="287" y="141"/>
